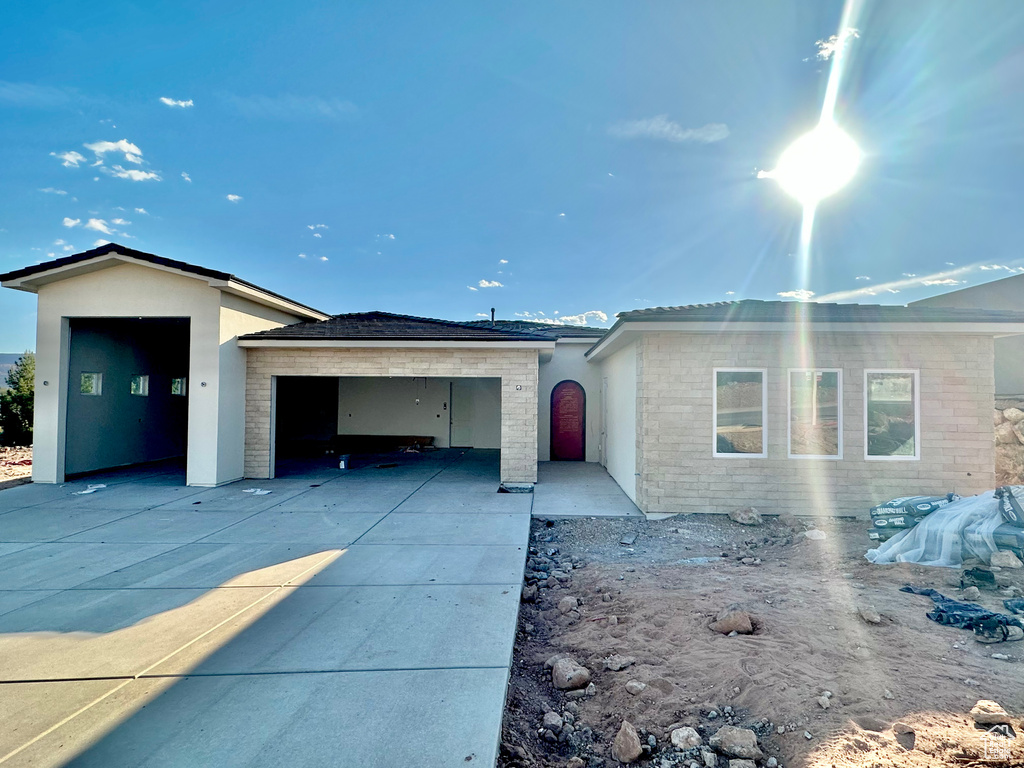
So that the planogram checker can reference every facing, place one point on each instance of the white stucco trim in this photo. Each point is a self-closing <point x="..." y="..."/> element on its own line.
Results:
<point x="392" y="344"/>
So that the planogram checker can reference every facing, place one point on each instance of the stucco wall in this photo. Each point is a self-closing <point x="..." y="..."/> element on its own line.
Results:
<point x="568" y="363"/>
<point x="679" y="474"/>
<point x="238" y="316"/>
<point x="476" y="413"/>
<point x="619" y="385"/>
<point x="517" y="369"/>
<point x="1007" y="294"/>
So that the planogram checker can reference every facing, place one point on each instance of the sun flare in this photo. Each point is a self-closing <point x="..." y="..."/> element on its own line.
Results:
<point x="818" y="164"/>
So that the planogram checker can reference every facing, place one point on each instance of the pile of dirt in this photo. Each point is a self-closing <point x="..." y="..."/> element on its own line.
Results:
<point x="15" y="466"/>
<point x="839" y="667"/>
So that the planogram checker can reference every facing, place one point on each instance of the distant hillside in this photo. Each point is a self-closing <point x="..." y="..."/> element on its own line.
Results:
<point x="7" y="362"/>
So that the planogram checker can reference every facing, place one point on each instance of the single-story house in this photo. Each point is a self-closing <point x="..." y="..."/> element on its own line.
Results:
<point x="787" y="406"/>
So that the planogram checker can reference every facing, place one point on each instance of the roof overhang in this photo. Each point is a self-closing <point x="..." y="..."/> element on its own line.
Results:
<point x="393" y="344"/>
<point x="219" y="280"/>
<point x="629" y="331"/>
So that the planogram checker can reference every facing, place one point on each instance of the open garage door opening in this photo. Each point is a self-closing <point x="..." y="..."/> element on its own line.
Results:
<point x="319" y="419"/>
<point x="127" y="392"/>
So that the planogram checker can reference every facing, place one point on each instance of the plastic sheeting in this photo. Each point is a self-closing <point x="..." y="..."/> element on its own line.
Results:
<point x="947" y="536"/>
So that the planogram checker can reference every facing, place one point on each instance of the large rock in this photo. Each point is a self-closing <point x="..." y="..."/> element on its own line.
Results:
<point x="568" y="675"/>
<point x="736" y="742"/>
<point x="997" y="417"/>
<point x="732" y="619"/>
<point x="1013" y="415"/>
<point x="686" y="738"/>
<point x="567" y="605"/>
<point x="626" y="748"/>
<point x="987" y="712"/>
<point x="746" y="516"/>
<point x="553" y="721"/>
<point x="869" y="614"/>
<point x="1006" y="435"/>
<point x="742" y="764"/>
<point x="1005" y="559"/>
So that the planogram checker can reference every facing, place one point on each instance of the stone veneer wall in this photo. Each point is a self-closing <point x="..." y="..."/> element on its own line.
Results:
<point x="679" y="474"/>
<point x="515" y="368"/>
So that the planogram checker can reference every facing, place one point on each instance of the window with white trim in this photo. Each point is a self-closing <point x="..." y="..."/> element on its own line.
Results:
<point x="892" y="415"/>
<point x="739" y="412"/>
<point x="815" y="414"/>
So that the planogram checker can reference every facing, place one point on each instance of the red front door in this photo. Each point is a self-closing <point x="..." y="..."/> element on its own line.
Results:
<point x="568" y="422"/>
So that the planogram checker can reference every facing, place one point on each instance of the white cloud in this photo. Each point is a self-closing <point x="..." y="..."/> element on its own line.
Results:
<point x="175" y="103"/>
<point x="561" y="215"/>
<point x="59" y="241"/>
<point x="947" y="281"/>
<point x="503" y="261"/>
<point x="896" y="286"/>
<point x="317" y="234"/>
<point x="835" y="44"/>
<point x="100" y="242"/>
<point x="490" y="284"/>
<point x="317" y="226"/>
<point x="120" y="222"/>
<point x="52" y="191"/>
<point x="99" y="225"/>
<point x="130" y="151"/>
<point x="385" y="237"/>
<point x="143" y="211"/>
<point x="862" y="277"/>
<point x="302" y="255"/>
<point x="584" y="318"/>
<point x="991" y="267"/>
<point x="70" y="159"/>
<point x="234" y="198"/>
<point x="482" y="314"/>
<point x="910" y="274"/>
<point x="471" y="287"/>
<point x="801" y="294"/>
<point x="730" y="293"/>
<point x="323" y="258"/>
<point x="186" y="177"/>
<point x="69" y="222"/>
<point x="663" y="129"/>
<point x="132" y="173"/>
<point x="290" y="107"/>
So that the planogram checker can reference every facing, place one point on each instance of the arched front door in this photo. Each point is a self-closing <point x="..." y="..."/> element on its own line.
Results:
<point x="568" y="422"/>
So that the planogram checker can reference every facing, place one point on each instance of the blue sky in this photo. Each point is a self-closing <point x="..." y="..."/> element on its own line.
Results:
<point x="537" y="157"/>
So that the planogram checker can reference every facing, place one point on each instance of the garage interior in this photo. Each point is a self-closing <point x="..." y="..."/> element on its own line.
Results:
<point x="321" y="417"/>
<point x="127" y="392"/>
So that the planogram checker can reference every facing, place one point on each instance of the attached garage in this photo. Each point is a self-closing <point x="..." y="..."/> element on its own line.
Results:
<point x="396" y="377"/>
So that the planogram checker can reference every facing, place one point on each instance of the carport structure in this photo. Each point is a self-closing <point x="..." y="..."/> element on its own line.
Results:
<point x="469" y="364"/>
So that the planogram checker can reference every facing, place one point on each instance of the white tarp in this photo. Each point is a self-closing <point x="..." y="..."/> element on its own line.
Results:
<point x="947" y="536"/>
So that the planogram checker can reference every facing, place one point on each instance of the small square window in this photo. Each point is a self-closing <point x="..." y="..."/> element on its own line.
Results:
<point x="140" y="384"/>
<point x="178" y="386"/>
<point x="92" y="384"/>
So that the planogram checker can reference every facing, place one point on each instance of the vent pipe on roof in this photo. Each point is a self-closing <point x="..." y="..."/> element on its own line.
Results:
<point x="492" y="316"/>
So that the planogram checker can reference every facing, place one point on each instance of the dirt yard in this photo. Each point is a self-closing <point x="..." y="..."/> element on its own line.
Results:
<point x="15" y="466"/>
<point x="816" y="682"/>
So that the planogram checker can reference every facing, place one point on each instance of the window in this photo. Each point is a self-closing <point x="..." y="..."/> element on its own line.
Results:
<point x="892" y="428"/>
<point x="140" y="384"/>
<point x="815" y="414"/>
<point x="178" y="386"/>
<point x="92" y="384"/>
<point x="739" y="404"/>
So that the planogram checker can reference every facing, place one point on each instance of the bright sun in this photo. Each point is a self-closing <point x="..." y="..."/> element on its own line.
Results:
<point x="818" y="164"/>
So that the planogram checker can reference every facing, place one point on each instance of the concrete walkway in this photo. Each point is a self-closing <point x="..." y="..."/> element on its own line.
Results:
<point x="361" y="618"/>
<point x="576" y="489"/>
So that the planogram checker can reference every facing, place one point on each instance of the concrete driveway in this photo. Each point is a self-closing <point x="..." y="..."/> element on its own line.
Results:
<point x="363" y="618"/>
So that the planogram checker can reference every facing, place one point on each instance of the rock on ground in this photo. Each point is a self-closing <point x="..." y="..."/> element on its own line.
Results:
<point x="971" y="593"/>
<point x="686" y="738"/>
<point x="869" y="614"/>
<point x="732" y="619"/>
<point x="635" y="687"/>
<point x="1005" y="559"/>
<point x="568" y="675"/>
<point x="567" y="605"/>
<point x="617" y="663"/>
<point x="734" y="763"/>
<point x="736" y="742"/>
<point x="987" y="712"/>
<point x="626" y="747"/>
<point x="553" y="721"/>
<point x="746" y="516"/>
